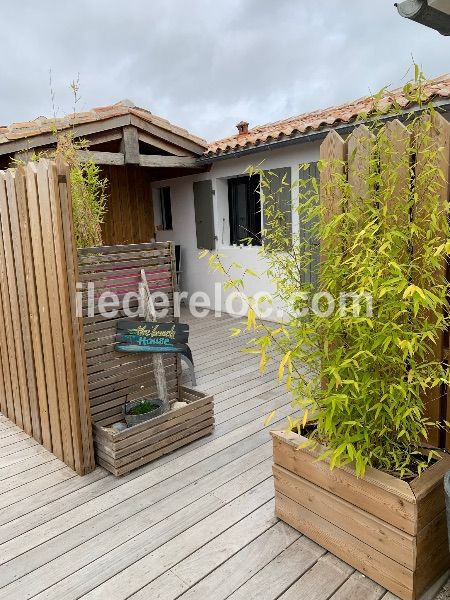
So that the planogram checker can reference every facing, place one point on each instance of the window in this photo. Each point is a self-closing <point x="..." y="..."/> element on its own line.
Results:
<point x="245" y="210"/>
<point x="166" y="208"/>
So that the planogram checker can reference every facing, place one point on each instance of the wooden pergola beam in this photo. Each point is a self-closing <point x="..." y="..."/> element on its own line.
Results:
<point x="144" y="160"/>
<point x="156" y="160"/>
<point x="102" y="158"/>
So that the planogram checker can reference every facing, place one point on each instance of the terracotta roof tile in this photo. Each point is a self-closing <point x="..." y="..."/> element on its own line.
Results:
<point x="438" y="88"/>
<point x="29" y="129"/>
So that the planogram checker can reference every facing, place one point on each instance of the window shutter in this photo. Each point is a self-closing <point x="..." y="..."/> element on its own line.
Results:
<point x="204" y="214"/>
<point x="278" y="197"/>
<point x="312" y="243"/>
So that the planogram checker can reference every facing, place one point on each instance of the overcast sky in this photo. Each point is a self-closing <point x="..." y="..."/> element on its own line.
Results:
<point x="207" y="64"/>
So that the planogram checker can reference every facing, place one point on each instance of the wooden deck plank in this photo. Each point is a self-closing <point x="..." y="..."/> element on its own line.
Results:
<point x="243" y="565"/>
<point x="39" y="457"/>
<point x="31" y="475"/>
<point x="358" y="586"/>
<point x="126" y="569"/>
<point x="144" y="508"/>
<point x="18" y="436"/>
<point x="29" y="513"/>
<point x="124" y="530"/>
<point x="166" y="587"/>
<point x="198" y="522"/>
<point x="213" y="554"/>
<point x="123" y="488"/>
<point x="27" y="490"/>
<point x="319" y="583"/>
<point x="277" y="576"/>
<point x="18" y="444"/>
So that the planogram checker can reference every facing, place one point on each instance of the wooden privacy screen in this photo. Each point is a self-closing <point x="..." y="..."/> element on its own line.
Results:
<point x="356" y="152"/>
<point x="42" y="369"/>
<point x="115" y="377"/>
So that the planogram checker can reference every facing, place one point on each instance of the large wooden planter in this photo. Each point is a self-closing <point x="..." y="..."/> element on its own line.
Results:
<point x="121" y="452"/>
<point x="392" y="531"/>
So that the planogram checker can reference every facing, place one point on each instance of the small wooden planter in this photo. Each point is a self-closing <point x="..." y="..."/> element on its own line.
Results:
<point x="121" y="452"/>
<point x="392" y="531"/>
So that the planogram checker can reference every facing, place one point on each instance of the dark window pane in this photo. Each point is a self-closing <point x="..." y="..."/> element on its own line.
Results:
<point x="244" y="210"/>
<point x="166" y="207"/>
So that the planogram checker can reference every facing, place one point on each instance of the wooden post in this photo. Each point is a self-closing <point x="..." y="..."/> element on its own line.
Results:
<point x="130" y="145"/>
<point x="158" y="364"/>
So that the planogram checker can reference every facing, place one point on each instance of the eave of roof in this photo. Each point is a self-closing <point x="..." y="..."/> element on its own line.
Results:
<point x="308" y="124"/>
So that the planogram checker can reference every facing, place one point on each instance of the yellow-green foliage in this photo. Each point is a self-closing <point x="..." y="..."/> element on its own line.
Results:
<point x="88" y="188"/>
<point x="88" y="191"/>
<point x="363" y="378"/>
<point x="88" y="204"/>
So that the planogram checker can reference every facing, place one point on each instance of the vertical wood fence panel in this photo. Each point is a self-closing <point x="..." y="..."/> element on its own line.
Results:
<point x="360" y="145"/>
<point x="16" y="190"/>
<point x="394" y="165"/>
<point x="395" y="161"/>
<point x="437" y="129"/>
<point x="10" y="312"/>
<point x="44" y="332"/>
<point x="43" y="375"/>
<point x="333" y="151"/>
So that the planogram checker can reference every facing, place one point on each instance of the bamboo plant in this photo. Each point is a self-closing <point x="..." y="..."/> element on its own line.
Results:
<point x="361" y="376"/>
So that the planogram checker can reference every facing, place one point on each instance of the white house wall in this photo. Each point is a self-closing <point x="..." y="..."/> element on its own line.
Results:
<point x="195" y="274"/>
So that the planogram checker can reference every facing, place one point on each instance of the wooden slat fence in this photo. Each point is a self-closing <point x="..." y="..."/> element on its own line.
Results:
<point x="353" y="157"/>
<point x="42" y="367"/>
<point x="113" y="377"/>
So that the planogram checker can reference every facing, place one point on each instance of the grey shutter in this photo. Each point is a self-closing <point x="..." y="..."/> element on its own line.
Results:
<point x="312" y="243"/>
<point x="278" y="195"/>
<point x="204" y="214"/>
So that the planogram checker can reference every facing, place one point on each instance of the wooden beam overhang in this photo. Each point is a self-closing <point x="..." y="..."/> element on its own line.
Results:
<point x="177" y="151"/>
<point x="102" y="158"/>
<point x="156" y="160"/>
<point x="47" y="139"/>
<point x="144" y="160"/>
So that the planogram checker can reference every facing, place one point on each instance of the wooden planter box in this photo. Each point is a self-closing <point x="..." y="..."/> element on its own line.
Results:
<point x="121" y="452"/>
<point x="392" y="531"/>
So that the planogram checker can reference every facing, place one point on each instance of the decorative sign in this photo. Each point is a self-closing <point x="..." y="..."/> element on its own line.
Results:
<point x="147" y="336"/>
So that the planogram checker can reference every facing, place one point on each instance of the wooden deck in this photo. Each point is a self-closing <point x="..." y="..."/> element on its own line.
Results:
<point x="196" y="524"/>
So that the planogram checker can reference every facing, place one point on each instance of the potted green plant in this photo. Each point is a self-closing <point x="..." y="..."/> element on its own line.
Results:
<point x="138" y="411"/>
<point x="358" y="468"/>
